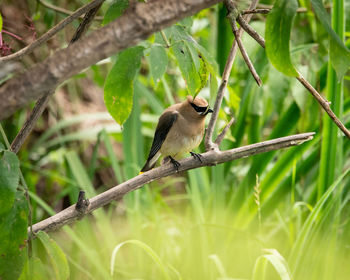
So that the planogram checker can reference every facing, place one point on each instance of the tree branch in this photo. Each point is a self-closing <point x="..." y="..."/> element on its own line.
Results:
<point x="244" y="53"/>
<point x="138" y="22"/>
<point x="45" y="37"/>
<point x="70" y="214"/>
<point x="208" y="142"/>
<point x="320" y="99"/>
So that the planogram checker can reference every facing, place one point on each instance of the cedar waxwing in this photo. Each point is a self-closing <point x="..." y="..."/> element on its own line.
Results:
<point x="180" y="129"/>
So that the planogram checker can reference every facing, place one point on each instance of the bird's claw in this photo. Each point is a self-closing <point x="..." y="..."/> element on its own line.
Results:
<point x="175" y="163"/>
<point x="196" y="156"/>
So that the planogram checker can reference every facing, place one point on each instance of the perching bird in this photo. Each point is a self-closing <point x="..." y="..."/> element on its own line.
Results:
<point x="180" y="129"/>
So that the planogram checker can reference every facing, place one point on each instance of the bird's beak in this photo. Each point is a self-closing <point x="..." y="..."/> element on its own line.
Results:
<point x="210" y="110"/>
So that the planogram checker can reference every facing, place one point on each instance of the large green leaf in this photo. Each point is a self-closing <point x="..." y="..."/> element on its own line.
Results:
<point x="9" y="178"/>
<point x="119" y="85"/>
<point x="339" y="54"/>
<point x="13" y="238"/>
<point x="115" y="10"/>
<point x="56" y="256"/>
<point x="277" y="34"/>
<point x="158" y="61"/>
<point x="192" y="62"/>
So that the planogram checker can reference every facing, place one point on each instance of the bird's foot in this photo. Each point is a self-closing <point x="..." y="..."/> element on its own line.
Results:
<point x="196" y="156"/>
<point x="175" y="163"/>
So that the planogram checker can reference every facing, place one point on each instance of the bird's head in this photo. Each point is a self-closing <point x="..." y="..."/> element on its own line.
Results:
<point x="200" y="105"/>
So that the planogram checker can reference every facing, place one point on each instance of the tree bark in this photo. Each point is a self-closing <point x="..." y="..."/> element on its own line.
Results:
<point x="138" y="22"/>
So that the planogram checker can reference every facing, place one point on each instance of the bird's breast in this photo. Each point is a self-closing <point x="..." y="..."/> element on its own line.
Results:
<point x="176" y="145"/>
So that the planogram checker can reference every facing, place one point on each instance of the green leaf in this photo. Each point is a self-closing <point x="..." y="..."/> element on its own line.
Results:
<point x="277" y="35"/>
<point x="34" y="270"/>
<point x="56" y="256"/>
<point x="339" y="54"/>
<point x="13" y="238"/>
<point x="119" y="85"/>
<point x="115" y="10"/>
<point x="193" y="65"/>
<point x="9" y="178"/>
<point x="158" y="61"/>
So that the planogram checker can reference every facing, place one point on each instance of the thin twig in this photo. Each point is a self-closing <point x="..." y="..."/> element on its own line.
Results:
<point x="208" y="142"/>
<point x="221" y="136"/>
<point x="324" y="103"/>
<point x="247" y="28"/>
<point x="244" y="52"/>
<point x="30" y="123"/>
<point x="70" y="214"/>
<point x="255" y="11"/>
<point x="41" y="104"/>
<point x="320" y="99"/>
<point x="45" y="37"/>
<point x="63" y="10"/>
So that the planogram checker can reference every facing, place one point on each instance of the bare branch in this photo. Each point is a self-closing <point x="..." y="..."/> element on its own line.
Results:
<point x="30" y="123"/>
<point x="320" y="99"/>
<point x="324" y="103"/>
<point x="45" y="37"/>
<point x="138" y="22"/>
<point x="208" y="142"/>
<point x="62" y="10"/>
<point x="224" y="131"/>
<point x="244" y="53"/>
<point x="70" y="214"/>
<point x="247" y="28"/>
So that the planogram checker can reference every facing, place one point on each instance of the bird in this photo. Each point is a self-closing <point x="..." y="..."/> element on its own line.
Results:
<point x="180" y="129"/>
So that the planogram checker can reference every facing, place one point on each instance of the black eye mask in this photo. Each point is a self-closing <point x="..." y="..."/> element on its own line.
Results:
<point x="198" y="108"/>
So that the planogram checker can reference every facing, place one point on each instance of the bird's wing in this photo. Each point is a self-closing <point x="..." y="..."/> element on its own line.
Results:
<point x="166" y="121"/>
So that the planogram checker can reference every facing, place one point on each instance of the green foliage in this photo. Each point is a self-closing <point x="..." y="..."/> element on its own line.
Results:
<point x="13" y="238"/>
<point x="339" y="53"/>
<point x="119" y="85"/>
<point x="277" y="34"/>
<point x="192" y="63"/>
<point x="9" y="178"/>
<point x="115" y="10"/>
<point x="56" y="256"/>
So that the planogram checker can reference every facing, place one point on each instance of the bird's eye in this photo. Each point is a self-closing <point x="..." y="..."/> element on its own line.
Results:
<point x="199" y="109"/>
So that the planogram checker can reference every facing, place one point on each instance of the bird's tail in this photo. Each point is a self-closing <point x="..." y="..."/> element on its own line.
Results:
<point x="150" y="163"/>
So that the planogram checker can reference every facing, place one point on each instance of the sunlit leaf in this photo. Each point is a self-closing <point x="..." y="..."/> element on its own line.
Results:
<point x="277" y="34"/>
<point x="115" y="10"/>
<point x="13" y="238"/>
<point x="9" y="178"/>
<point x="119" y="85"/>
<point x="339" y="54"/>
<point x="57" y="257"/>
